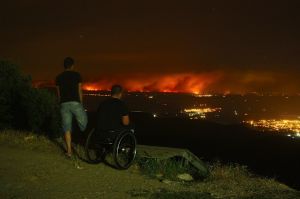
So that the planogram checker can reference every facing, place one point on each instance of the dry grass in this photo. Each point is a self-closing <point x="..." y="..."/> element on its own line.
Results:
<point x="234" y="181"/>
<point x="225" y="181"/>
<point x="28" y="140"/>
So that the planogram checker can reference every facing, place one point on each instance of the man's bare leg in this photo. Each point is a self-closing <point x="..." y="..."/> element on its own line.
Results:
<point x="68" y="140"/>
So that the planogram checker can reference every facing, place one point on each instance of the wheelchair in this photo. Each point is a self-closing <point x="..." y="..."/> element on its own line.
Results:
<point x="121" y="144"/>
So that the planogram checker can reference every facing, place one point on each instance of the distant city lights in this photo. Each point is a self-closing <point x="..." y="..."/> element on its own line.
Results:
<point x="203" y="95"/>
<point x="200" y="113"/>
<point x="286" y="126"/>
<point x="97" y="94"/>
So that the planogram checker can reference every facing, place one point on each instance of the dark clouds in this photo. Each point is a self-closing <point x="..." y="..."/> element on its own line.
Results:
<point x="109" y="37"/>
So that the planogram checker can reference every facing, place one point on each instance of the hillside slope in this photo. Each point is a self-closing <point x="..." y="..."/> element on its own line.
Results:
<point x="33" y="167"/>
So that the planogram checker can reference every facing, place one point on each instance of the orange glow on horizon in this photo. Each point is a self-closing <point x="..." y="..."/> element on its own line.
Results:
<point x="172" y="83"/>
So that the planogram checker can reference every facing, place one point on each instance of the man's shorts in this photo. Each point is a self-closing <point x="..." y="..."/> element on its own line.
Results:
<point x="70" y="109"/>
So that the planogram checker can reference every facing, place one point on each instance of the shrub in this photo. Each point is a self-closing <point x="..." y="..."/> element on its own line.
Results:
<point x="41" y="110"/>
<point x="11" y="83"/>
<point x="24" y="107"/>
<point x="166" y="168"/>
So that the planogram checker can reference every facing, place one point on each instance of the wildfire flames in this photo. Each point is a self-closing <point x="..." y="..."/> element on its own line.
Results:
<point x="179" y="83"/>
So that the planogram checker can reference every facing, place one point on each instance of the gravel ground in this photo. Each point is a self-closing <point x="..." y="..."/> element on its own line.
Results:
<point x="30" y="174"/>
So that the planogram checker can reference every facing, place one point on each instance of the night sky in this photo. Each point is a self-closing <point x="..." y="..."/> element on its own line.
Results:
<point x="222" y="46"/>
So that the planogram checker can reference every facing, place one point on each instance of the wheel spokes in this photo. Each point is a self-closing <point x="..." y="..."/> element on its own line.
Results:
<point x="94" y="150"/>
<point x="126" y="151"/>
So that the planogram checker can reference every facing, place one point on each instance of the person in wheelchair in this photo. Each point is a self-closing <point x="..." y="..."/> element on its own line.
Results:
<point x="112" y="115"/>
<point x="112" y="133"/>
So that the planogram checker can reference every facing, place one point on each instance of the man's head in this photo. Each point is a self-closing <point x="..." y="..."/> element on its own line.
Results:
<point x="68" y="63"/>
<point x="117" y="91"/>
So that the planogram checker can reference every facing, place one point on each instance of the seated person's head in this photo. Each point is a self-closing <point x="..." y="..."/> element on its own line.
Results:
<point x="117" y="91"/>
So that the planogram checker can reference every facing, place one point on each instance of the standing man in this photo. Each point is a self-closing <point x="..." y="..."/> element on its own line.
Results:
<point x="70" y="95"/>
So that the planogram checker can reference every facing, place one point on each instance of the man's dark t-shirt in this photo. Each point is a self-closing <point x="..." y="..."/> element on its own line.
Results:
<point x="68" y="86"/>
<point x="110" y="113"/>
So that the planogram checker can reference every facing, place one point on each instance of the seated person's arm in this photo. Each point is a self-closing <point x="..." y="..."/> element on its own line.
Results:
<point x="125" y="120"/>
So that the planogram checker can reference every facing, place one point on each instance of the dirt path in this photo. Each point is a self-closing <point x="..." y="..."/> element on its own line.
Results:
<point x="30" y="174"/>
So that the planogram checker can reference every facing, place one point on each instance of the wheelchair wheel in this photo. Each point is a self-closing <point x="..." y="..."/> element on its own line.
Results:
<point x="124" y="150"/>
<point x="94" y="150"/>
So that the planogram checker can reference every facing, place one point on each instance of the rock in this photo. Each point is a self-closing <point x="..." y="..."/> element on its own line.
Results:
<point x="27" y="138"/>
<point x="77" y="166"/>
<point x="167" y="181"/>
<point x="185" y="177"/>
<point x="159" y="175"/>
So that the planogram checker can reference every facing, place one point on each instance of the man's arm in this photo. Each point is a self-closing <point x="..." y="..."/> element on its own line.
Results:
<point x="58" y="93"/>
<point x="125" y="120"/>
<point x="80" y="92"/>
<point x="57" y="87"/>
